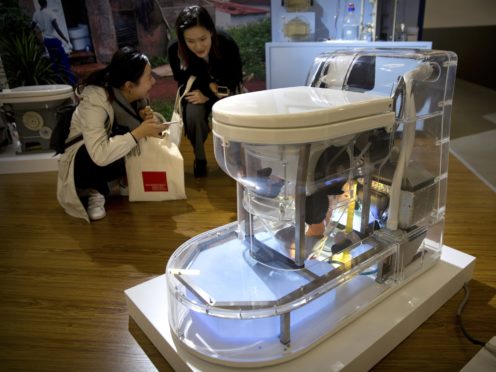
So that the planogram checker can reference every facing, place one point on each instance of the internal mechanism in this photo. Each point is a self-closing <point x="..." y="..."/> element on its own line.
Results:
<point x="344" y="200"/>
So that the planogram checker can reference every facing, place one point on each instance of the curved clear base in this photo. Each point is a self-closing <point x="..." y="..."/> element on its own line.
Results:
<point x="230" y="308"/>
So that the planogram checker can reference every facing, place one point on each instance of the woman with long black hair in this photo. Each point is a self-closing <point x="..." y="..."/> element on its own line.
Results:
<point x="213" y="58"/>
<point x="95" y="150"/>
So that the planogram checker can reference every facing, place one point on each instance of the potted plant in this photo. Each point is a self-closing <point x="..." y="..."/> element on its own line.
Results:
<point x="23" y="56"/>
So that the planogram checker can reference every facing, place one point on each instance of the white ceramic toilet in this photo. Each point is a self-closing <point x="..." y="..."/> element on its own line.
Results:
<point x="34" y="109"/>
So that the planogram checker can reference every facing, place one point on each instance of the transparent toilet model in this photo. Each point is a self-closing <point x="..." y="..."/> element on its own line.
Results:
<point x="341" y="201"/>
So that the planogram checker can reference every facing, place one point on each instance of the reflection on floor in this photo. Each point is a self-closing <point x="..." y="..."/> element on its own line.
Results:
<point x="477" y="153"/>
<point x="473" y="129"/>
<point x="473" y="108"/>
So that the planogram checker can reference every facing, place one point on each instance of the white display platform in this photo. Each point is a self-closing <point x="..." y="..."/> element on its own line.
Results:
<point x="357" y="347"/>
<point x="484" y="360"/>
<point x="12" y="162"/>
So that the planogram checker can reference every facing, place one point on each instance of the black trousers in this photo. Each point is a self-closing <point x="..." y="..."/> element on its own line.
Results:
<point x="88" y="175"/>
<point x="196" y="126"/>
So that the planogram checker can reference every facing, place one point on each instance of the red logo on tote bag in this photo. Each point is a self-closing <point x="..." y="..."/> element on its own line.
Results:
<point x="155" y="181"/>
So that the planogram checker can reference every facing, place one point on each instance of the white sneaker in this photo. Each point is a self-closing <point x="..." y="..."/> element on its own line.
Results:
<point x="123" y="190"/>
<point x="96" y="203"/>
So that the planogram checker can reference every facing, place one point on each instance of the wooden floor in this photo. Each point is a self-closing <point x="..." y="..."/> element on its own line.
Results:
<point x="62" y="280"/>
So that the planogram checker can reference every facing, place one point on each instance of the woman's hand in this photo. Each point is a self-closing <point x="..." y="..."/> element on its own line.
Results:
<point x="196" y="97"/>
<point x="149" y="128"/>
<point x="146" y="113"/>
<point x="215" y="90"/>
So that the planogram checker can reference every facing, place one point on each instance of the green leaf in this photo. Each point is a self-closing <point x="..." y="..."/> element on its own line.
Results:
<point x="24" y="61"/>
<point x="251" y="40"/>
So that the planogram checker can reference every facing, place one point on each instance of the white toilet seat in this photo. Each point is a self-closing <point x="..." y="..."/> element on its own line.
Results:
<point x="36" y="93"/>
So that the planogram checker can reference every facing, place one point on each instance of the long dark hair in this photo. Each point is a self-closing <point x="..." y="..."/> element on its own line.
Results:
<point x="127" y="64"/>
<point x="192" y="16"/>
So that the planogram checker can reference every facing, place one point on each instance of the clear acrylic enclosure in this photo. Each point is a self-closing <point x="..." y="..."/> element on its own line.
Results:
<point x="341" y="200"/>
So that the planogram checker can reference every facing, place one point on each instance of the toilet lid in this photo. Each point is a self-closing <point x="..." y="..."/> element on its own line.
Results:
<point x="36" y="93"/>
<point x="299" y="114"/>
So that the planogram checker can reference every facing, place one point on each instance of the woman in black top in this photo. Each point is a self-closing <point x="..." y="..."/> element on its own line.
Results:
<point x="213" y="57"/>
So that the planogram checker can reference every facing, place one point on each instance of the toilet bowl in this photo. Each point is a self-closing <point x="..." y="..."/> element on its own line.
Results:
<point x="34" y="109"/>
<point x="80" y="37"/>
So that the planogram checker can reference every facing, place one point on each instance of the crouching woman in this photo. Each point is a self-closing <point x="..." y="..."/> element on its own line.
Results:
<point x="120" y="92"/>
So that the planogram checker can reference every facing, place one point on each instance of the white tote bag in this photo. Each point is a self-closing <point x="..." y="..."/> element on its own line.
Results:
<point x="175" y="131"/>
<point x="156" y="171"/>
